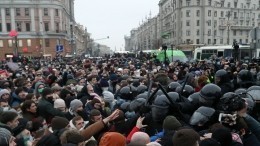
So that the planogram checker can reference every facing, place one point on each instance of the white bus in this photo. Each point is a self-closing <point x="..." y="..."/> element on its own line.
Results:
<point x="222" y="51"/>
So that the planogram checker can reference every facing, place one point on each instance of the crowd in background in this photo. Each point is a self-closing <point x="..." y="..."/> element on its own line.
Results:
<point x="121" y="100"/>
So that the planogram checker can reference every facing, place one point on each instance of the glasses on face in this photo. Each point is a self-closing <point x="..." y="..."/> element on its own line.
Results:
<point x="39" y="75"/>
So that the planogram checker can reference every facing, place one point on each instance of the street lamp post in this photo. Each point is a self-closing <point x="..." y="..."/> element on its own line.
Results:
<point x="228" y="26"/>
<point x="14" y="34"/>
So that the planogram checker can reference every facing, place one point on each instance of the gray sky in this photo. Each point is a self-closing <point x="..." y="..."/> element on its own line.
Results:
<point x="113" y="18"/>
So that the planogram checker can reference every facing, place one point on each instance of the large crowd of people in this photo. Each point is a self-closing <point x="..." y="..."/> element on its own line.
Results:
<point x="126" y="101"/>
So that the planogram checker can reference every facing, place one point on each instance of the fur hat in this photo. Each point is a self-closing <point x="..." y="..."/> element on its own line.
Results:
<point x="171" y="123"/>
<point x="75" y="104"/>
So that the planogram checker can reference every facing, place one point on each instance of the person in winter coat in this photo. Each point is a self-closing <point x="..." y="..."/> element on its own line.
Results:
<point x="45" y="106"/>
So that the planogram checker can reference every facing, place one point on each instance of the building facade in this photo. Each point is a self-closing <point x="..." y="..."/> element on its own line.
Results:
<point x="41" y="26"/>
<point x="144" y="37"/>
<point x="208" y="22"/>
<point x="186" y="24"/>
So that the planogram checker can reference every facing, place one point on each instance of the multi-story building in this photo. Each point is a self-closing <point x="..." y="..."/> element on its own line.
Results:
<point x="144" y="37"/>
<point x="208" y="22"/>
<point x="41" y="26"/>
<point x="185" y="24"/>
<point x="82" y="38"/>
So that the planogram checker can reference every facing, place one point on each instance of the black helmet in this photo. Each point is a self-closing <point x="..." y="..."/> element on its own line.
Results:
<point x="201" y="116"/>
<point x="136" y="104"/>
<point x="174" y="96"/>
<point x="159" y="92"/>
<point x="240" y="91"/>
<point x="160" y="108"/>
<point x="253" y="88"/>
<point x="245" y="75"/>
<point x="228" y="95"/>
<point x="142" y="95"/>
<point x="194" y="98"/>
<point x="125" y="106"/>
<point x="126" y="93"/>
<point x="172" y="86"/>
<point x="250" y="104"/>
<point x="221" y="76"/>
<point x="209" y="94"/>
<point x="187" y="91"/>
<point x="133" y="90"/>
<point x="231" y="102"/>
<point x="141" y="89"/>
<point x="161" y="100"/>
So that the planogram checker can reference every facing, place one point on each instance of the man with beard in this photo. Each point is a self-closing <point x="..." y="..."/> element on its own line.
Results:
<point x="76" y="109"/>
<point x="45" y="106"/>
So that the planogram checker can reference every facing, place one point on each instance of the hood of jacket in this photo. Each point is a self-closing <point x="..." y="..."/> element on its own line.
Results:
<point x="74" y="127"/>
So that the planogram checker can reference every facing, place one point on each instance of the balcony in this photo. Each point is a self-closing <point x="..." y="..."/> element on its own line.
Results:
<point x="238" y="27"/>
<point x="222" y="27"/>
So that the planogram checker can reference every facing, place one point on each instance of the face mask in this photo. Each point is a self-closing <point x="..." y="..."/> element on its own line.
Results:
<point x="6" y="108"/>
<point x="40" y="90"/>
<point x="105" y="88"/>
<point x="28" y="138"/>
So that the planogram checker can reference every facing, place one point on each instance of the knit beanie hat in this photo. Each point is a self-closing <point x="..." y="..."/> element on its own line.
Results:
<point x="58" y="123"/>
<point x="4" y="91"/>
<point x="75" y="104"/>
<point x="222" y="135"/>
<point x="112" y="139"/>
<point x="5" y="136"/>
<point x="171" y="123"/>
<point x="108" y="96"/>
<point x="185" y="137"/>
<point x="59" y="103"/>
<point x="209" y="142"/>
<point x="46" y="91"/>
<point x="103" y="83"/>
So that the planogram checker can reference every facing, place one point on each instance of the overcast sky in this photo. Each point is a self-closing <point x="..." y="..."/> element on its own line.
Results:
<point x="113" y="18"/>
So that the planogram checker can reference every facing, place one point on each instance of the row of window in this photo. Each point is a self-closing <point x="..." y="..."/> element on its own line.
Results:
<point x="27" y="12"/>
<point x="228" y="14"/>
<point x="222" y="23"/>
<point x="218" y="4"/>
<point x="221" y="41"/>
<point x="19" y="26"/>
<point x="11" y="43"/>
<point x="235" y="32"/>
